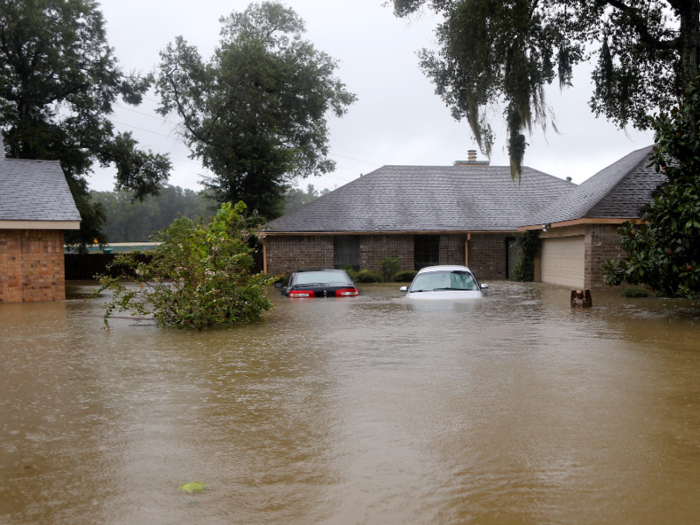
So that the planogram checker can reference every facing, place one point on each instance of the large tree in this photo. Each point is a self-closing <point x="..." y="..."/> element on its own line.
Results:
<point x="59" y="81"/>
<point x="255" y="112"/>
<point x="664" y="251"/>
<point x="500" y="54"/>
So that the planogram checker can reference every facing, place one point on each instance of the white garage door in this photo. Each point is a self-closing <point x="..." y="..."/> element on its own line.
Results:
<point x="562" y="261"/>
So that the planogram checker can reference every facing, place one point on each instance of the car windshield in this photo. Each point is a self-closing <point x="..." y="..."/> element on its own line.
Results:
<point x="328" y="277"/>
<point x="439" y="281"/>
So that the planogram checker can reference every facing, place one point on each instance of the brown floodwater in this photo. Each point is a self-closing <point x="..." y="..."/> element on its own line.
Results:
<point x="507" y="410"/>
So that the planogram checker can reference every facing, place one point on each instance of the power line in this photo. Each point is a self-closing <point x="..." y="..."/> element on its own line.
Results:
<point x="165" y="120"/>
<point x="356" y="160"/>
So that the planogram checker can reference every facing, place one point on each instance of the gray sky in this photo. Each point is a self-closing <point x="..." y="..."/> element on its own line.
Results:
<point x="397" y="120"/>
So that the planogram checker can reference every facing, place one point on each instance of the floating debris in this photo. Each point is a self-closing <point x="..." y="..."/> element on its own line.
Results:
<point x="194" y="486"/>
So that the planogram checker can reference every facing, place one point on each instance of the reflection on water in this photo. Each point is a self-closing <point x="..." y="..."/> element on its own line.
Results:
<point x="510" y="409"/>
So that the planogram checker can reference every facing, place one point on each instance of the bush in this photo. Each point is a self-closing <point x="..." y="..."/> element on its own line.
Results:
<point x="350" y="271"/>
<point x="663" y="252"/>
<point x="404" y="277"/>
<point x="528" y="243"/>
<point x="634" y="292"/>
<point x="389" y="266"/>
<point x="199" y="276"/>
<point x="367" y="276"/>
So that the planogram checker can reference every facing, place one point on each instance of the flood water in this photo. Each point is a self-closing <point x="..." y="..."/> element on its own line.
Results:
<point x="513" y="409"/>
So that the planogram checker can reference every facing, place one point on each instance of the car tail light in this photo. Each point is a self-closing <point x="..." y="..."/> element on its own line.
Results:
<point x="347" y="292"/>
<point x="301" y="293"/>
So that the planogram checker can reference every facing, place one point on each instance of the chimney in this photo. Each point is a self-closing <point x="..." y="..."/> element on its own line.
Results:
<point x="568" y="179"/>
<point x="471" y="154"/>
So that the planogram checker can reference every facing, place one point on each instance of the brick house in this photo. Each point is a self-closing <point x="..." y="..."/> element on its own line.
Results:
<point x="581" y="226"/>
<point x="467" y="213"/>
<point x="36" y="205"/>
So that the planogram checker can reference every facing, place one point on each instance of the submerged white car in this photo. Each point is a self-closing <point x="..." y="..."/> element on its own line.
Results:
<point x="444" y="282"/>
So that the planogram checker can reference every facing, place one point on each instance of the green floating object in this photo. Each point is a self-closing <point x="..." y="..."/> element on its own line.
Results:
<point x="195" y="486"/>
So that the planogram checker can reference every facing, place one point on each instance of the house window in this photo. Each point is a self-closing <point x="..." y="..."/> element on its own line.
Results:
<point x="426" y="251"/>
<point x="346" y="251"/>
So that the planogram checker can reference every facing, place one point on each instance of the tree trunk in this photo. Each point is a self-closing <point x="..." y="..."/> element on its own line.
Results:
<point x="690" y="40"/>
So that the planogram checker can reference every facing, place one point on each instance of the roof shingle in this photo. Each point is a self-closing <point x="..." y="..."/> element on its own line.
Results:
<point x="617" y="192"/>
<point x="34" y="190"/>
<point x="428" y="198"/>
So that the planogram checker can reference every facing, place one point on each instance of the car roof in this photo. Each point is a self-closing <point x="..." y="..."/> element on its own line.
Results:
<point x="445" y="268"/>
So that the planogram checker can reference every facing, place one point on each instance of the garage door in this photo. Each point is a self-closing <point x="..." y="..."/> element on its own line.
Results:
<point x="562" y="261"/>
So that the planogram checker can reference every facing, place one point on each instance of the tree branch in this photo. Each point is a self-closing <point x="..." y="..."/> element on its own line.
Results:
<point x="639" y="24"/>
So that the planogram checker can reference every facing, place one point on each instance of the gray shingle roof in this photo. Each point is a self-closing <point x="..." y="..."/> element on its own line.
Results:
<point x="428" y="198"/>
<point x="34" y="190"/>
<point x="615" y="192"/>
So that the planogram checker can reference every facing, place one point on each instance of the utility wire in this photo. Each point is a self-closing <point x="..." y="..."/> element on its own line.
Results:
<point x="166" y="120"/>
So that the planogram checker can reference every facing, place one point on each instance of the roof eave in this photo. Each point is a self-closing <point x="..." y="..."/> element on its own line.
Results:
<point x="584" y="220"/>
<point x="39" y="225"/>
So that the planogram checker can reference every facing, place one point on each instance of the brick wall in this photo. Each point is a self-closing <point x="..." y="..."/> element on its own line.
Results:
<point x="452" y="249"/>
<point x="487" y="255"/>
<point x="31" y="266"/>
<point x="374" y="248"/>
<point x="602" y="244"/>
<point x="286" y="253"/>
<point x="487" y="252"/>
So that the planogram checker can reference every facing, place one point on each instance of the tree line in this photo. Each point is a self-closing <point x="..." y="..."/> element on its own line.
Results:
<point x="254" y="113"/>
<point x="137" y="220"/>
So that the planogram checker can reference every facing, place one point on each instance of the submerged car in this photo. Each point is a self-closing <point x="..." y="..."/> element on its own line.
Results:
<point x="319" y="283"/>
<point x="444" y="282"/>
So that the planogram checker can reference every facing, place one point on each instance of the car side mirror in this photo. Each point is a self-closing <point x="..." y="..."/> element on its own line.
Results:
<point x="403" y="289"/>
<point x="484" y="286"/>
<point x="278" y="285"/>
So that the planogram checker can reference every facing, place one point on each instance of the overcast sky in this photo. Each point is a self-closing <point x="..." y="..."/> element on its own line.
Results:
<point x="397" y="119"/>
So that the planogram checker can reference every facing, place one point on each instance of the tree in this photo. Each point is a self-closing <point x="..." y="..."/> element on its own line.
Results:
<point x="664" y="251"/>
<point x="128" y="219"/>
<point x="295" y="198"/>
<point x="58" y="84"/>
<point x="198" y="277"/>
<point x="502" y="53"/>
<point x="255" y="112"/>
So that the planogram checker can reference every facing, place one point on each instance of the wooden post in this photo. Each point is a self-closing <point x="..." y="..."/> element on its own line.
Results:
<point x="265" y="258"/>
<point x="581" y="298"/>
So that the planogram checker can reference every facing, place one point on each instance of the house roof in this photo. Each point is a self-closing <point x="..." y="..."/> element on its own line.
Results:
<point x="616" y="192"/>
<point x="427" y="198"/>
<point x="34" y="190"/>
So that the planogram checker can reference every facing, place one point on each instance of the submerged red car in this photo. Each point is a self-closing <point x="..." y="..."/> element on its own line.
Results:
<point x="319" y="283"/>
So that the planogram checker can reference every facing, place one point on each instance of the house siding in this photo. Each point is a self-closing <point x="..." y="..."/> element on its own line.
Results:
<point x="487" y="252"/>
<point x="295" y="252"/>
<point x="31" y="266"/>
<point x="452" y="249"/>
<point x="487" y="255"/>
<point x="375" y="248"/>
<point x="602" y="244"/>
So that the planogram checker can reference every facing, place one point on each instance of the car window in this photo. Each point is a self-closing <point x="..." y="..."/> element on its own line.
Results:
<point x="436" y="281"/>
<point x="321" y="278"/>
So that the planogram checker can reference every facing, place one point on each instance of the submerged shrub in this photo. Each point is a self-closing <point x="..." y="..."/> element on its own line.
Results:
<point x="367" y="276"/>
<point x="405" y="276"/>
<point x="350" y="271"/>
<point x="198" y="277"/>
<point x="389" y="266"/>
<point x="528" y="243"/>
<point x="633" y="291"/>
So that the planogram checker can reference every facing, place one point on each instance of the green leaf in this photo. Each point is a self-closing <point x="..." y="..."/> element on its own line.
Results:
<point x="194" y="486"/>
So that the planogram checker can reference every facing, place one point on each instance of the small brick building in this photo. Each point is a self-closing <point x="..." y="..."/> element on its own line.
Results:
<point x="465" y="214"/>
<point x="582" y="226"/>
<point x="36" y="205"/>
